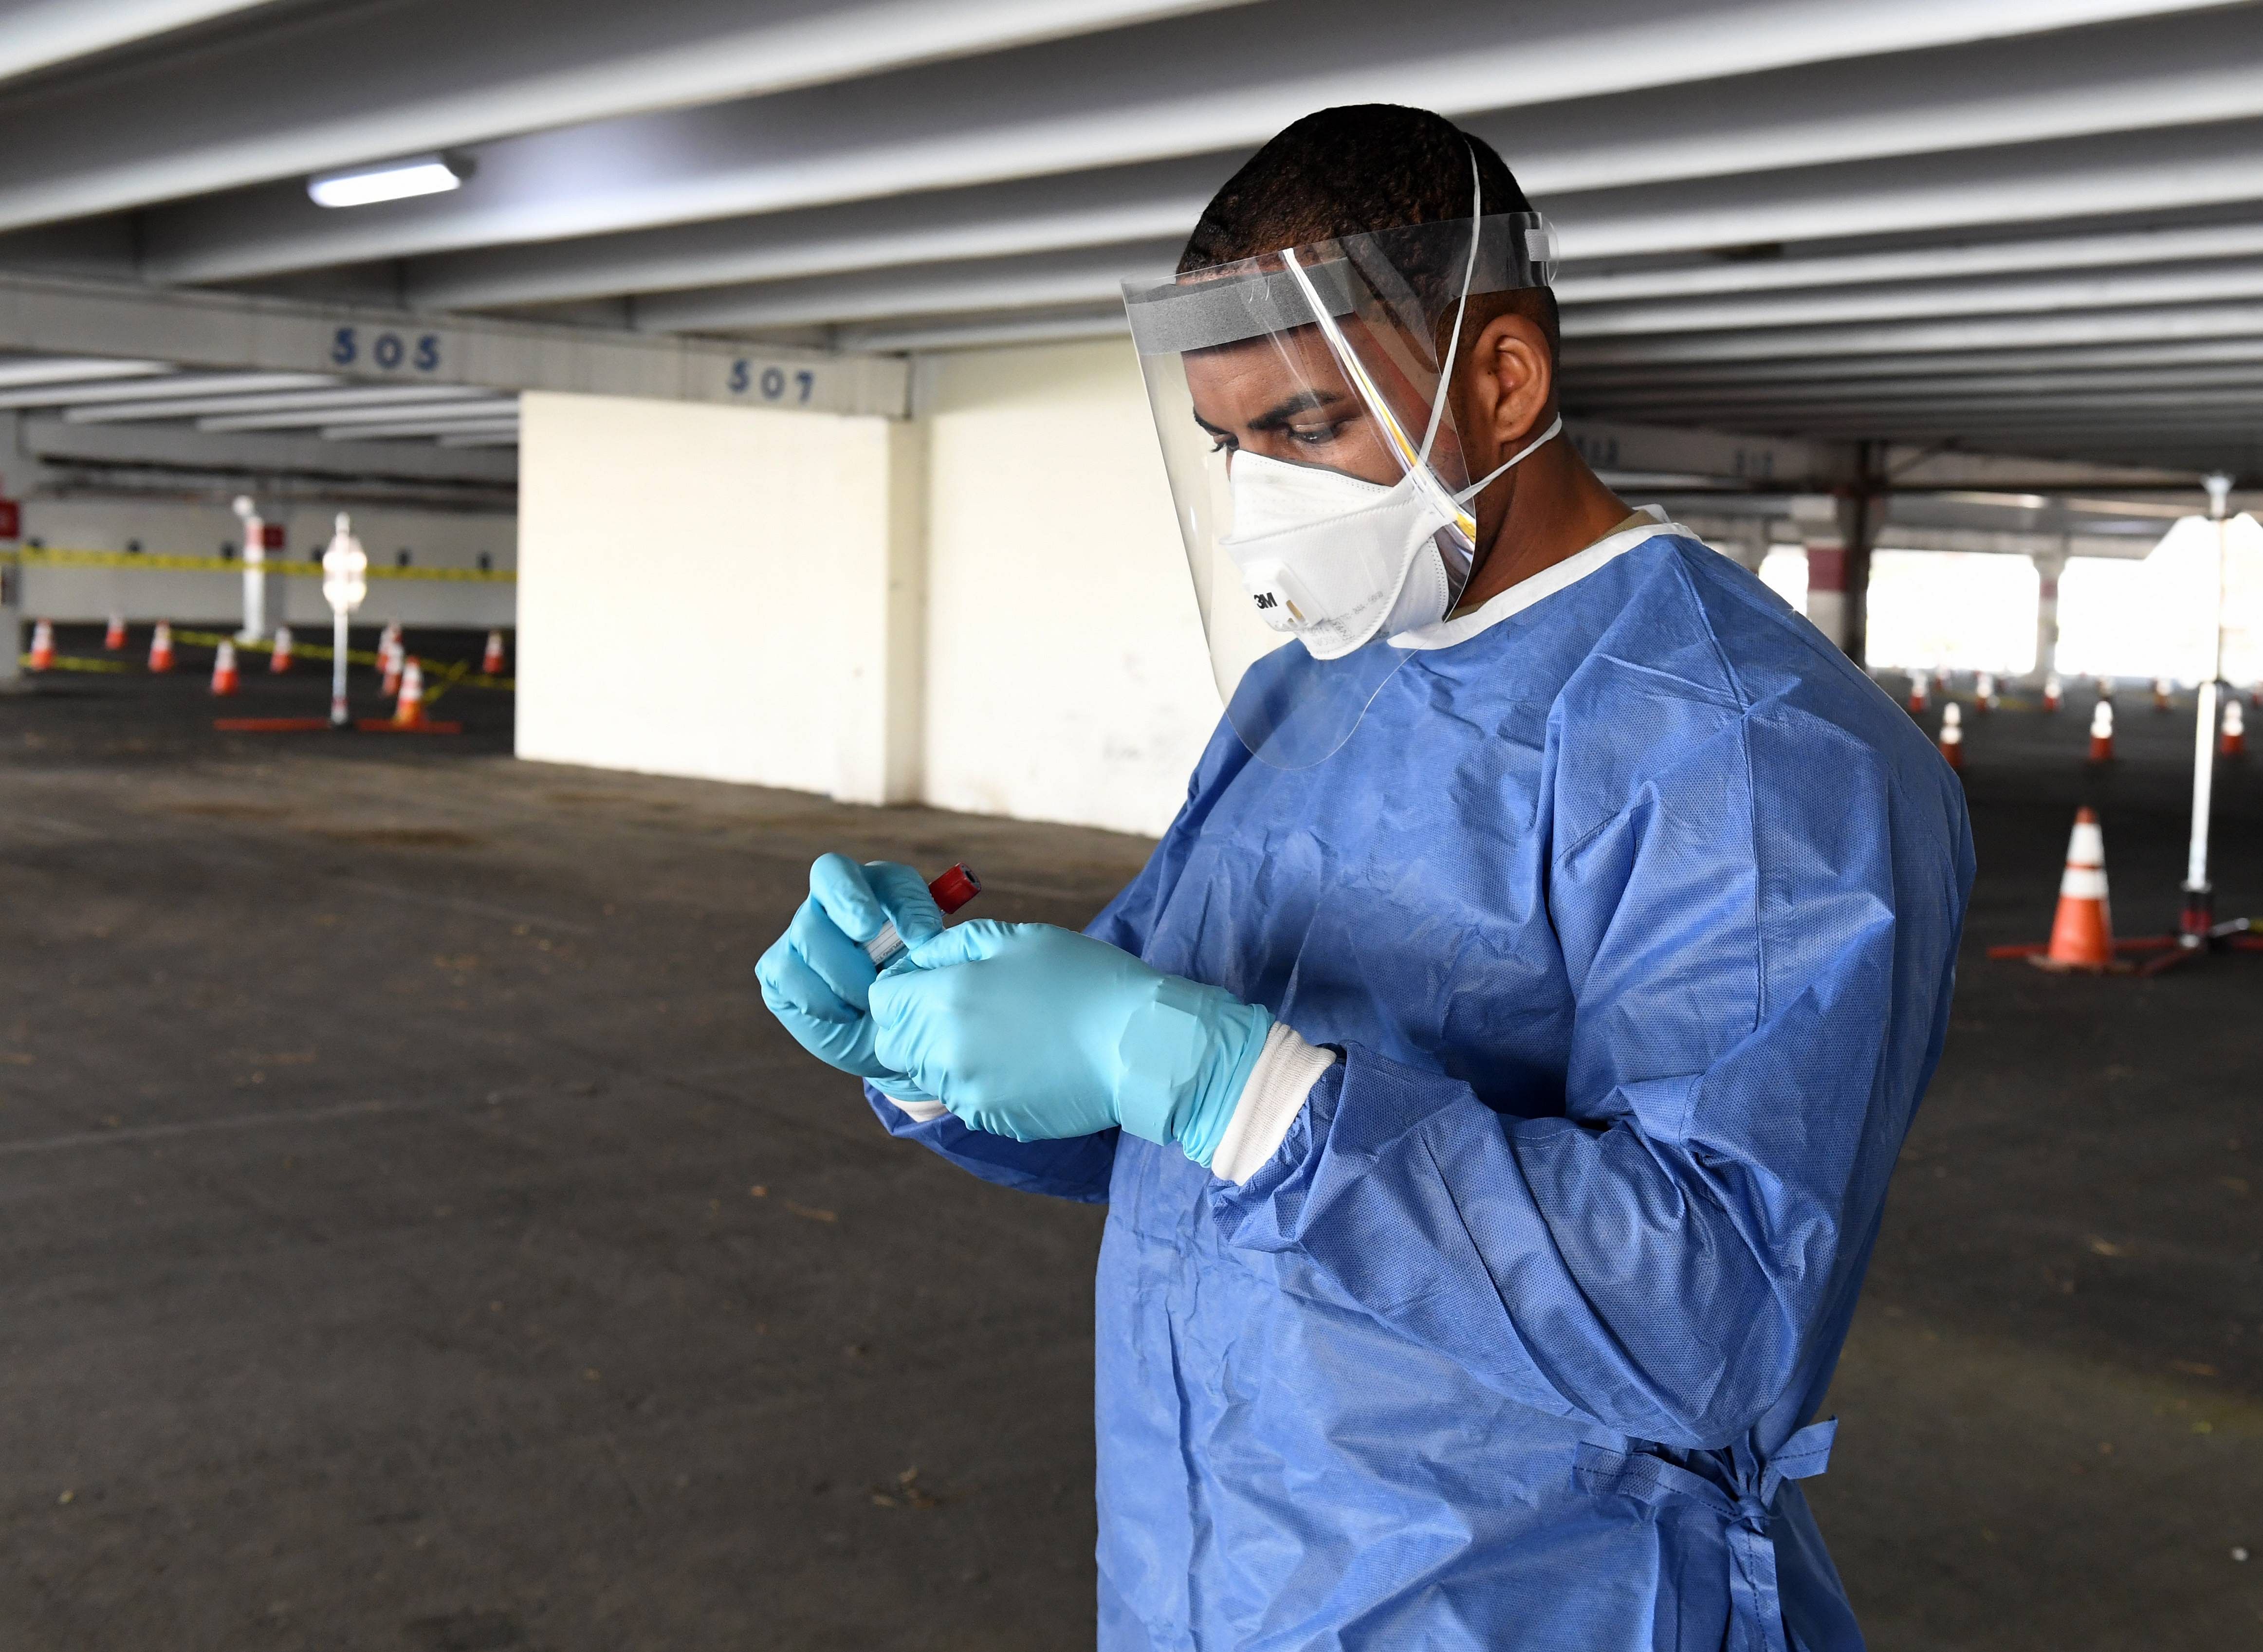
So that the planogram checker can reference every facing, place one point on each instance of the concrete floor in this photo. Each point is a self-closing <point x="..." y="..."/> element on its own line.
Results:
<point x="418" y="1236"/>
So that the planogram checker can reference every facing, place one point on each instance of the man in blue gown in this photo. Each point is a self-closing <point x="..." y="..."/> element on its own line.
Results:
<point x="1494" y="1075"/>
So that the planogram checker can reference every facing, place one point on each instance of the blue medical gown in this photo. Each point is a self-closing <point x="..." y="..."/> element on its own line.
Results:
<point x="1634" y="916"/>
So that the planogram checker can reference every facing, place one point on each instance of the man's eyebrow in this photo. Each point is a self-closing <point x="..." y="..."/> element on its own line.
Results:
<point x="1304" y="401"/>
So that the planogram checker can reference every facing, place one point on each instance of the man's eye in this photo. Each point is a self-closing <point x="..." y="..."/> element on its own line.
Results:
<point x="1313" y="435"/>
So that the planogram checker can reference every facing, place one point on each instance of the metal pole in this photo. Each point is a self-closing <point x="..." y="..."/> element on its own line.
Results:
<point x="2200" y="906"/>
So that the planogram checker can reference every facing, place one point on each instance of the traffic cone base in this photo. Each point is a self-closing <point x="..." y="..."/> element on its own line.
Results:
<point x="2112" y="966"/>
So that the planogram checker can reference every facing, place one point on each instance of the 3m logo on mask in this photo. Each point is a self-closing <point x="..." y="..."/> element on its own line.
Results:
<point x="1278" y="597"/>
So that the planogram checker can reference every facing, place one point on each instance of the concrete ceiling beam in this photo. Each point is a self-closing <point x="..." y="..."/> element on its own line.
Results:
<point x="1208" y="84"/>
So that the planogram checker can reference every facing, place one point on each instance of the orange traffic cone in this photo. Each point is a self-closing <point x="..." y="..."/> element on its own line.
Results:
<point x="160" y="647"/>
<point x="1921" y="693"/>
<point x="1983" y="692"/>
<point x="225" y="680"/>
<point x="2233" y="740"/>
<point x="2101" y="732"/>
<point x="43" y="647"/>
<point x="1952" y="735"/>
<point x="491" y="661"/>
<point x="280" y="662"/>
<point x="2162" y="688"/>
<point x="2082" y="933"/>
<point x="389" y="652"/>
<point x="409" y="712"/>
<point x="113" y="640"/>
<point x="2054" y="692"/>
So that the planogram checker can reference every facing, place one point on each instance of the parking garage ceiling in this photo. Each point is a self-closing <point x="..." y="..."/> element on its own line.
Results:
<point x="2027" y="227"/>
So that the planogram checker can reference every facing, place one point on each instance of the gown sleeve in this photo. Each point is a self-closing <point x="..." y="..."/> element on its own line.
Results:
<point x="1761" y="947"/>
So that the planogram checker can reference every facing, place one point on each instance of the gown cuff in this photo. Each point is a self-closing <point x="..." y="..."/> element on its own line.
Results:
<point x="1287" y="1068"/>
<point x="921" y="1112"/>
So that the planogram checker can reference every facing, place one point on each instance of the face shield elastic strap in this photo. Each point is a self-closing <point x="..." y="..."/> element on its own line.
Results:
<point x="1418" y="459"/>
<point x="1555" y="429"/>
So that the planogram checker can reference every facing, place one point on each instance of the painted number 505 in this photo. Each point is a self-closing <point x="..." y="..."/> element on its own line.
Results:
<point x="388" y="352"/>
<point x="770" y="382"/>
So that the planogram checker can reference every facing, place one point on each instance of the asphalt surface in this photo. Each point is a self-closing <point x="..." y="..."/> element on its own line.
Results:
<point x="417" y="1236"/>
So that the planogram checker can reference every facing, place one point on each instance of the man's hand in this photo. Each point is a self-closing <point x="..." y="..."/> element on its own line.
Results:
<point x="1032" y="1032"/>
<point x="816" y="979"/>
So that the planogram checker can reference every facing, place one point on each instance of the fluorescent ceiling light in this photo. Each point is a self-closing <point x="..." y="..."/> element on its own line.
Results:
<point x="63" y="369"/>
<point x="389" y="181"/>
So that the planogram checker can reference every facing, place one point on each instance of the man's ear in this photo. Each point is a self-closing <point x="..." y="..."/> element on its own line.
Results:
<point x="1513" y="381"/>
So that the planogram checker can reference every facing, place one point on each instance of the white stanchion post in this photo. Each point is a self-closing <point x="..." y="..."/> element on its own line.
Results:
<point x="345" y="574"/>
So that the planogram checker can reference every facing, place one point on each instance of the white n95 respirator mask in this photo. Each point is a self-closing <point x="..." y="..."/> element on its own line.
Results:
<point x="1336" y="561"/>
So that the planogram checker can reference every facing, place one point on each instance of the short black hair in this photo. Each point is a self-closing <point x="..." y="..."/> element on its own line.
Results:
<point x="1352" y="171"/>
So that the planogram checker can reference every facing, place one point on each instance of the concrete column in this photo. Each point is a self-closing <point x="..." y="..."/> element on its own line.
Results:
<point x="883" y="701"/>
<point x="11" y="609"/>
<point x="1826" y="590"/>
<point x="11" y="590"/>
<point x="727" y="593"/>
<point x="2049" y="566"/>
<point x="263" y="593"/>
<point x="1749" y="546"/>
<point x="1837" y="533"/>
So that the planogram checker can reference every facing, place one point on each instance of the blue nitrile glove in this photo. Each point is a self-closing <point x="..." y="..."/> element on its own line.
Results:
<point x="1033" y="1032"/>
<point x="815" y="977"/>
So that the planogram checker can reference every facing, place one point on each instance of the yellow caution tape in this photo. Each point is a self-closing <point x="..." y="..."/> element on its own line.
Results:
<point x="71" y="662"/>
<point x="453" y="674"/>
<point x="49" y="557"/>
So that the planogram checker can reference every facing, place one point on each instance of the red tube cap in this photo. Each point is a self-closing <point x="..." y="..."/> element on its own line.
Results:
<point x="955" y="888"/>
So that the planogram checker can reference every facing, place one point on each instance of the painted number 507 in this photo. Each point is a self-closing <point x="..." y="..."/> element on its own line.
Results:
<point x="770" y="382"/>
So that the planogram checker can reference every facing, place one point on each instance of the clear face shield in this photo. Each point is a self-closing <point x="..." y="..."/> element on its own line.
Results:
<point x="1321" y="486"/>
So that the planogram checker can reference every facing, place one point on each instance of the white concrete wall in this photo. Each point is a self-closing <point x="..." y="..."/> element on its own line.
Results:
<point x="1068" y="679"/>
<point x="164" y="528"/>
<point x="736" y="564"/>
<point x="985" y="608"/>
